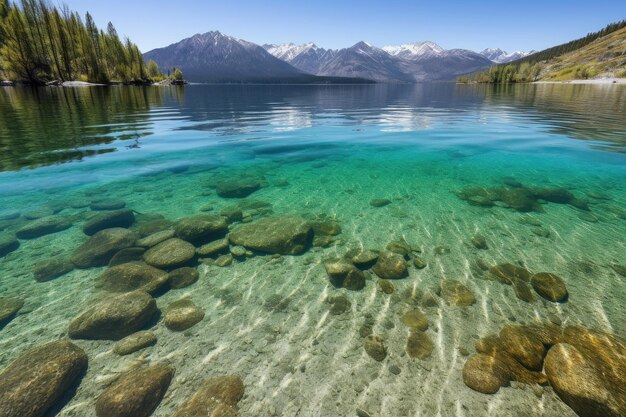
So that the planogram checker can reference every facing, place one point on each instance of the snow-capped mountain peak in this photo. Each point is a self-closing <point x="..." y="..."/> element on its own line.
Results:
<point x="499" y="56"/>
<point x="415" y="49"/>
<point x="288" y="51"/>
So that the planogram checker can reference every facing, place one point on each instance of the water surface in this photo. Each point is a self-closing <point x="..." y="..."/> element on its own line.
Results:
<point x="324" y="153"/>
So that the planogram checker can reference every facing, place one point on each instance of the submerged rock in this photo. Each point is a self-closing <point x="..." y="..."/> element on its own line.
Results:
<point x="479" y="242"/>
<point x="134" y="342"/>
<point x="581" y="385"/>
<point x="343" y="274"/>
<point x="523" y="291"/>
<point x="375" y="347"/>
<point x="183" y="277"/>
<point x="132" y="254"/>
<point x="182" y="314"/>
<point x="380" y="202"/>
<point x="9" y="306"/>
<point x="385" y="286"/>
<point x="362" y="259"/>
<point x="484" y="373"/>
<point x="238" y="188"/>
<point x="43" y="226"/>
<point x="419" y="345"/>
<point x="170" y="253"/>
<point x="327" y="228"/>
<point x="415" y="319"/>
<point x="51" y="268"/>
<point x="217" y="397"/>
<point x="507" y="273"/>
<point x="390" y="266"/>
<point x="456" y="294"/>
<point x="100" y="248"/>
<point x="201" y="229"/>
<point x="214" y="248"/>
<point x="339" y="304"/>
<point x="286" y="235"/>
<point x="8" y="243"/>
<point x="156" y="238"/>
<point x="524" y="345"/>
<point x="118" y="218"/>
<point x="132" y="276"/>
<point x="136" y="393"/>
<point x="550" y="286"/>
<point x="34" y="382"/>
<point x="115" y="317"/>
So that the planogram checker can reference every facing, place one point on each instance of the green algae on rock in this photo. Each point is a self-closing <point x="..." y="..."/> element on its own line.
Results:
<point x="285" y="235"/>
<point x="33" y="383"/>
<point x="100" y="248"/>
<point x="170" y="253"/>
<point x="114" y="317"/>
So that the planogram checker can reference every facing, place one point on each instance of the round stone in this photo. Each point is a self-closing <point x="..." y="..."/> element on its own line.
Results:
<point x="183" y="277"/>
<point x="132" y="276"/>
<point x="550" y="286"/>
<point x="107" y="204"/>
<point x="170" y="253"/>
<point x="182" y="314"/>
<point x="484" y="373"/>
<point x="134" y="342"/>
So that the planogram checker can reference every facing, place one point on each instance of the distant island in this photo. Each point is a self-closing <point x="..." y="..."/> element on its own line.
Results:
<point x="600" y="54"/>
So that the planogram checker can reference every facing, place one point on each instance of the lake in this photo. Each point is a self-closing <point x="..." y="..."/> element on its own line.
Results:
<point x="343" y="250"/>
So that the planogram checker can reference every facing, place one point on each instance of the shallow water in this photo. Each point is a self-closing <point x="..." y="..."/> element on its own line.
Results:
<point x="325" y="153"/>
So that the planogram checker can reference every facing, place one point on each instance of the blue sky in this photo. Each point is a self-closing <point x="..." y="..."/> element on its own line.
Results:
<point x="510" y="25"/>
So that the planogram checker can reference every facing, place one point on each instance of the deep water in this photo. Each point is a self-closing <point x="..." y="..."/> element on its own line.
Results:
<point x="463" y="178"/>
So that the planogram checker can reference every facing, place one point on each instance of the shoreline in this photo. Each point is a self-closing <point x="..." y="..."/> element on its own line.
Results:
<point x="592" y="81"/>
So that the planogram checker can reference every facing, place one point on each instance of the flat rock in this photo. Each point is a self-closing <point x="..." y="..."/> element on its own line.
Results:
<point x="363" y="259"/>
<point x="375" y="347"/>
<point x="217" y="397"/>
<point x="580" y="385"/>
<point x="107" y="204"/>
<point x="507" y="273"/>
<point x="390" y="265"/>
<point x="342" y="274"/>
<point x="550" y="286"/>
<point x="115" y="317"/>
<point x="132" y="276"/>
<point x="479" y="242"/>
<point x="156" y="238"/>
<point x="134" y="342"/>
<point x="136" y="393"/>
<point x="117" y="218"/>
<point x="201" y="229"/>
<point x="456" y="294"/>
<point x="213" y="248"/>
<point x="38" y="213"/>
<point x="8" y="243"/>
<point x="183" y="277"/>
<point x="100" y="248"/>
<point x="43" y="226"/>
<point x="524" y="345"/>
<point x="419" y="345"/>
<point x="238" y="188"/>
<point x="182" y="314"/>
<point x="170" y="253"/>
<point x="326" y="228"/>
<point x="286" y="235"/>
<point x="10" y="214"/>
<point x="34" y="382"/>
<point x="484" y="373"/>
<point x="9" y="306"/>
<point x="51" y="268"/>
<point x="415" y="319"/>
<point x="132" y="254"/>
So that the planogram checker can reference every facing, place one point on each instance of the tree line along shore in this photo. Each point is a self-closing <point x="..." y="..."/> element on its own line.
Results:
<point x="42" y="44"/>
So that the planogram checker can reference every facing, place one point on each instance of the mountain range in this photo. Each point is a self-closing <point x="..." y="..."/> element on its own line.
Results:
<point x="499" y="56"/>
<point x="215" y="57"/>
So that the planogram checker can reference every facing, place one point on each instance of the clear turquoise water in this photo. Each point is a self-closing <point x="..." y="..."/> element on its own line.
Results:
<point x="326" y="152"/>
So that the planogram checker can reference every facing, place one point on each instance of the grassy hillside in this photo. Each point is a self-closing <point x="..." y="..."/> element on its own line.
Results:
<point x="597" y="55"/>
<point x="604" y="57"/>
